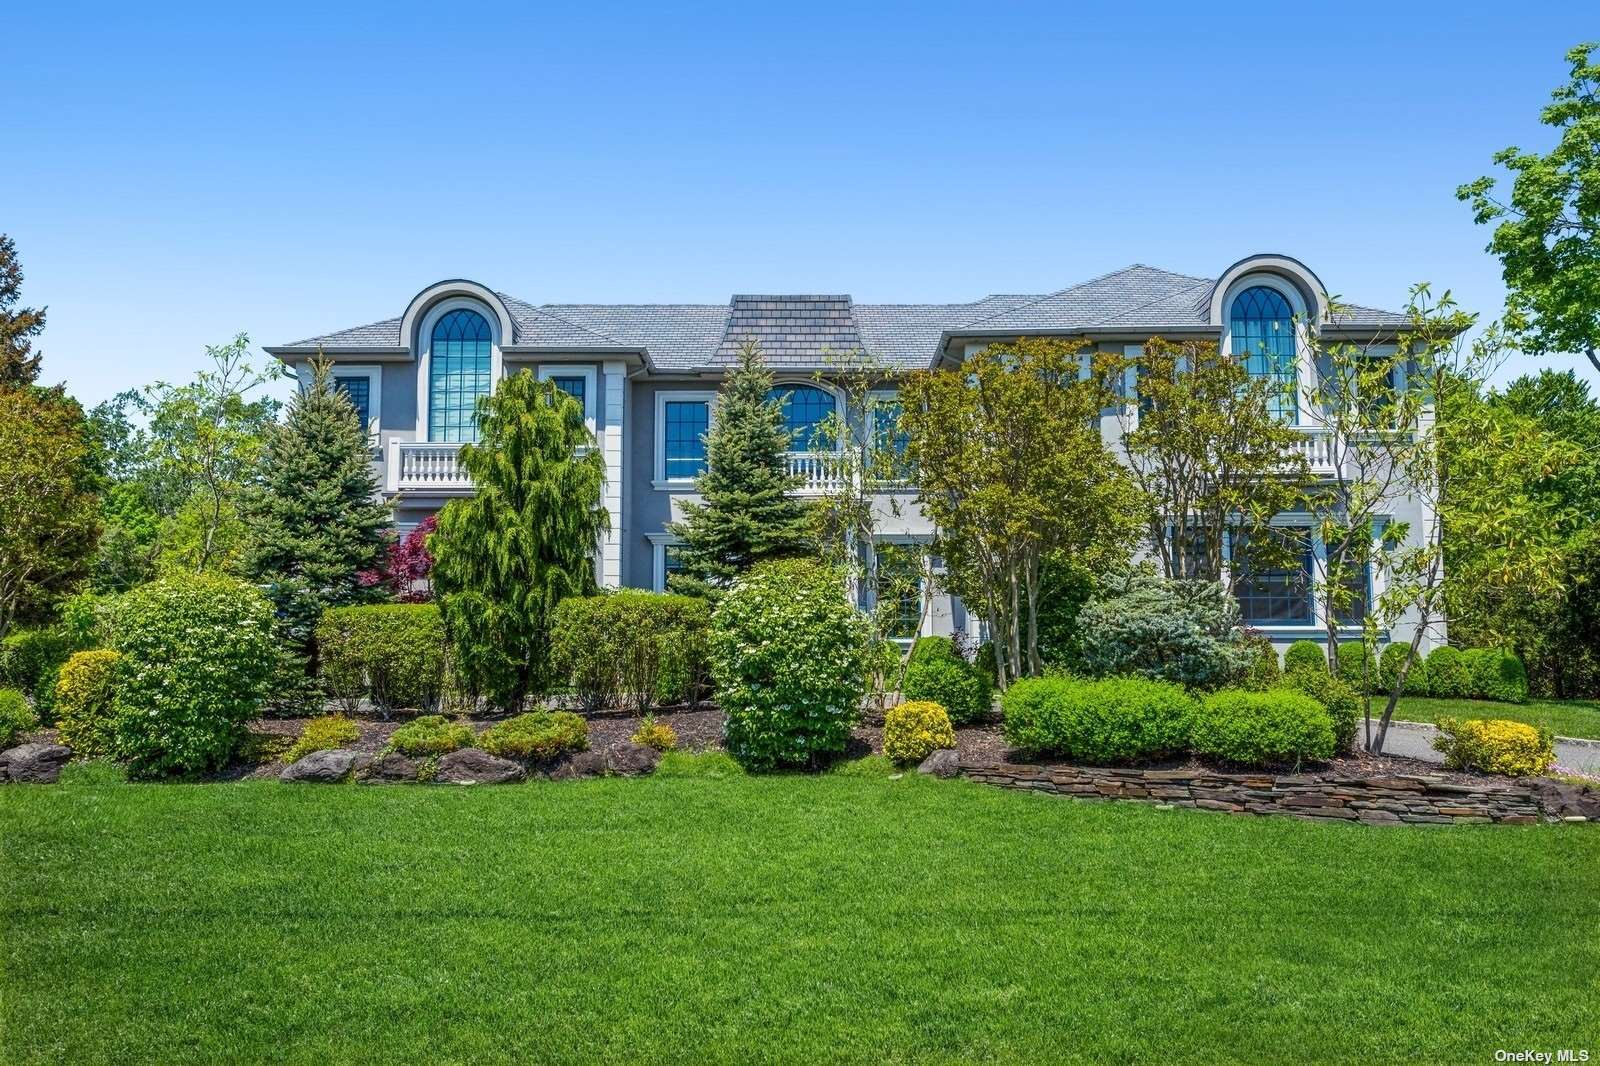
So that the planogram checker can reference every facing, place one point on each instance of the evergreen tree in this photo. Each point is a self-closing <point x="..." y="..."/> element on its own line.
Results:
<point x="19" y="364"/>
<point x="748" y="513"/>
<point x="526" y="539"/>
<point x="313" y="518"/>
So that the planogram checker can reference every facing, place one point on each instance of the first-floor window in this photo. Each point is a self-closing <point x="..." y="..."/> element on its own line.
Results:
<point x="1358" y="591"/>
<point x="898" y="589"/>
<point x="671" y="563"/>
<point x="1272" y="579"/>
<point x="359" y="390"/>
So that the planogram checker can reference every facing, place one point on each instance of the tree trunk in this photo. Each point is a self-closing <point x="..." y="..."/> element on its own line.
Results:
<point x="1425" y="619"/>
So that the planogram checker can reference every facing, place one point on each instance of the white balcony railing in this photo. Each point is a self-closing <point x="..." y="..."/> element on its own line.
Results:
<point x="819" y="472"/>
<point x="1316" y="446"/>
<point x="425" y="466"/>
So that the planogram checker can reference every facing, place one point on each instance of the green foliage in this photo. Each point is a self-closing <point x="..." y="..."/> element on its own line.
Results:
<point x="926" y="648"/>
<point x="914" y="730"/>
<point x="654" y="734"/>
<point x="1389" y="664"/>
<point x="85" y="705"/>
<point x="196" y="656"/>
<point x="1496" y="746"/>
<point x="1109" y="721"/>
<point x="19" y="364"/>
<point x="985" y="661"/>
<point x="1064" y="588"/>
<point x="1337" y="698"/>
<point x="712" y="764"/>
<point x="16" y="717"/>
<point x="393" y="653"/>
<point x="93" y="773"/>
<point x="524" y="541"/>
<point x="1175" y="630"/>
<point x="30" y="660"/>
<point x="952" y="683"/>
<point x="1449" y="675"/>
<point x="788" y="654"/>
<point x="1263" y="728"/>
<point x="1497" y="675"/>
<point x="1305" y="655"/>
<point x="536" y="735"/>
<point x="747" y="511"/>
<point x="868" y="766"/>
<point x="631" y="647"/>
<point x="1265" y="671"/>
<point x="431" y="734"/>
<point x="1358" y="667"/>
<point x="323" y="734"/>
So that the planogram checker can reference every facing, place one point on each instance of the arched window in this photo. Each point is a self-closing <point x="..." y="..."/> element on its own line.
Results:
<point x="805" y="408"/>
<point x="459" y="371"/>
<point x="1262" y="326"/>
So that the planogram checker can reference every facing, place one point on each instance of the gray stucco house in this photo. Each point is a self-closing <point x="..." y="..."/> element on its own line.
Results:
<point x="647" y="376"/>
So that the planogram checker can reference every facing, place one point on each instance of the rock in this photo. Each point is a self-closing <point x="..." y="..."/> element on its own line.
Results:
<point x="578" y="764"/>
<point x="321" y="767"/>
<point x="474" y="766"/>
<point x="34" y="763"/>
<point x="946" y="762"/>
<point x="631" y="759"/>
<point x="392" y="768"/>
<point x="1379" y="817"/>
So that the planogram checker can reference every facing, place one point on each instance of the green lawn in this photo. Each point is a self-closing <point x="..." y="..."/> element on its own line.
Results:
<point x="785" y="918"/>
<point x="1565" y="718"/>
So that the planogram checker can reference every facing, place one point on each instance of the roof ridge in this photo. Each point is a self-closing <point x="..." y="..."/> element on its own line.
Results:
<point x="1053" y="295"/>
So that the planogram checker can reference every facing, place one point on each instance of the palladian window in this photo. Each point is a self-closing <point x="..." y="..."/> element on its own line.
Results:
<point x="459" y="371"/>
<point x="1262" y="326"/>
<point x="805" y="409"/>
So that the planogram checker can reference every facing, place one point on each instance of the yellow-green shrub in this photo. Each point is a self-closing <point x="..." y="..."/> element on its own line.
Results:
<point x="536" y="735"/>
<point x="84" y="704"/>
<point x="1495" y="746"/>
<point x="431" y="734"/>
<point x="323" y="734"/>
<point x="912" y="731"/>
<point x="16" y="717"/>
<point x="654" y="734"/>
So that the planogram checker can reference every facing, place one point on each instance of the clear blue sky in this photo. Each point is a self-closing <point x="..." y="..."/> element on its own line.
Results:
<point x="175" y="176"/>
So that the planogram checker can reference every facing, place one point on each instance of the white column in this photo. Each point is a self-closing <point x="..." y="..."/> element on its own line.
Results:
<point x="611" y="545"/>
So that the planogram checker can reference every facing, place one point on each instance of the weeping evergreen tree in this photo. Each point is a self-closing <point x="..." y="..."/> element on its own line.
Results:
<point x="313" y="518"/>
<point x="748" y="513"/>
<point x="504" y="557"/>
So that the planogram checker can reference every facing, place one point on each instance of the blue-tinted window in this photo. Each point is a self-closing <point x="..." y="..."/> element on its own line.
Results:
<point x="805" y="408"/>
<point x="1358" y="584"/>
<point x="1263" y="337"/>
<point x="359" y="389"/>
<point x="683" y="434"/>
<point x="891" y="440"/>
<point x="671" y="562"/>
<point x="899" y="589"/>
<point x="1273" y="582"/>
<point x="459" y="371"/>
<point x="574" y="386"/>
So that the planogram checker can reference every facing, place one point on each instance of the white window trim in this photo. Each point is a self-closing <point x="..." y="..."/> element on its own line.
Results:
<point x="660" y="480"/>
<point x="928" y="592"/>
<point x="1304" y="361"/>
<point x="659" y="543"/>
<point x="424" y="348"/>
<point x="374" y="375"/>
<point x="591" y="402"/>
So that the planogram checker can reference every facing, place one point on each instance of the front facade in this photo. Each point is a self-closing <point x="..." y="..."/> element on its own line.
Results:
<point x="647" y="376"/>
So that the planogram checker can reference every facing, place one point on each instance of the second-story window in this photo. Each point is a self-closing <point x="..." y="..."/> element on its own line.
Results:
<point x="359" y="390"/>
<point x="576" y="387"/>
<point x="1262" y="327"/>
<point x="460" y="370"/>
<point x="805" y="410"/>
<point x="684" y="422"/>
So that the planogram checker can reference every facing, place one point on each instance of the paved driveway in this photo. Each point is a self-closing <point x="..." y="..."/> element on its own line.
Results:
<point x="1415" y="739"/>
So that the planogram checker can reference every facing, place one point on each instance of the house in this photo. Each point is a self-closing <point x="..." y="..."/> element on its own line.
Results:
<point x="647" y="376"/>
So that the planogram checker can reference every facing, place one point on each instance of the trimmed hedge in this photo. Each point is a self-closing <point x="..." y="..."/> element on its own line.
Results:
<point x="1107" y="721"/>
<point x="1356" y="662"/>
<point x="86" y="704"/>
<point x="631" y="648"/>
<point x="1495" y="746"/>
<point x="391" y="653"/>
<point x="1337" y="698"/>
<point x="536" y="735"/>
<point x="1265" y="672"/>
<point x="927" y="648"/>
<point x="952" y="683"/>
<point x="916" y="729"/>
<point x="1263" y="728"/>
<point x="1497" y="675"/>
<point x="1305" y="655"/>
<point x="1448" y="675"/>
<point x="431" y="734"/>
<point x="16" y="717"/>
<point x="1389" y="669"/>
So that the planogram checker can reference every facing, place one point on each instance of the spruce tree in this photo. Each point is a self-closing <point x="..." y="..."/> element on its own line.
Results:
<point x="19" y="363"/>
<point x="748" y="513"/>
<point x="504" y="557"/>
<point x="313" y="517"/>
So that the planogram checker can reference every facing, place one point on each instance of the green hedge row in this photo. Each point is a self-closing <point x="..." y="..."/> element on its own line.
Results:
<point x="1446" y="672"/>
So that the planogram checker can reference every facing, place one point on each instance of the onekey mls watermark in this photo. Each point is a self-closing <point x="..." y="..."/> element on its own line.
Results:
<point x="1565" y="1054"/>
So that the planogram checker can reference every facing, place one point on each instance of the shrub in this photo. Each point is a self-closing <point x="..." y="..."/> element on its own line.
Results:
<point x="1448" y="675"/>
<point x="927" y="648"/>
<point x="85" y="704"/>
<point x="393" y="653"/>
<point x="1305" y="655"/>
<point x="432" y="734"/>
<point x="654" y="734"/>
<point x="1263" y="728"/>
<point x="536" y="735"/>
<point x="1337" y="698"/>
<point x="954" y="684"/>
<point x="1114" y="720"/>
<point x="1155" y="627"/>
<point x="197" y="652"/>
<point x="16" y="717"/>
<point x="987" y="663"/>
<point x="1389" y="669"/>
<point x="30" y="660"/>
<point x="789" y="655"/>
<point x="1497" y="675"/>
<point x="323" y="734"/>
<point x="1495" y="746"/>
<point x="914" y="730"/>
<point x="1264" y="670"/>
<point x="1358" y="666"/>
<point x="631" y="647"/>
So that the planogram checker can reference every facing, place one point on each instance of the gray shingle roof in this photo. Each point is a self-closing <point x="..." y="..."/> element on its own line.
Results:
<point x="801" y="331"/>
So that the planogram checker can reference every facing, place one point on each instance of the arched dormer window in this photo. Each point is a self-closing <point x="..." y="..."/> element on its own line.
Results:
<point x="460" y="369"/>
<point x="805" y="409"/>
<point x="1262" y="327"/>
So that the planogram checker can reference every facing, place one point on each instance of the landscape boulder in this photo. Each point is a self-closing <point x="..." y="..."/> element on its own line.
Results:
<point x="392" y="768"/>
<point x="945" y="762"/>
<point x="578" y="764"/>
<point x="631" y="759"/>
<point x="321" y="767"/>
<point x="474" y="766"/>
<point x="34" y="763"/>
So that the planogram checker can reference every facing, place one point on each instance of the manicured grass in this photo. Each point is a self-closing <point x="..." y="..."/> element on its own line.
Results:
<point x="1565" y="718"/>
<point x="788" y="918"/>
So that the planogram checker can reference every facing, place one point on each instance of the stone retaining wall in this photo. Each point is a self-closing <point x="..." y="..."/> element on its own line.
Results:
<point x="1322" y="796"/>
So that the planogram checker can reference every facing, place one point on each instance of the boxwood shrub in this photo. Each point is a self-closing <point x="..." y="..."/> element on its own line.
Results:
<point x="1389" y="668"/>
<point x="1357" y="665"/>
<point x="430" y="734"/>
<point x="85" y="703"/>
<point x="631" y="648"/>
<point x="197" y="652"/>
<point x="933" y="648"/>
<point x="1337" y="698"/>
<point x="953" y="683"/>
<point x="16" y="717"/>
<point x="1279" y="727"/>
<point x="1497" y="675"/>
<point x="1448" y="676"/>
<point x="1305" y="655"/>
<point x="391" y="653"/>
<point x="916" y="729"/>
<point x="1495" y="746"/>
<point x="536" y="735"/>
<point x="789" y="657"/>
<point x="1106" y="721"/>
<point x="1265" y="671"/>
